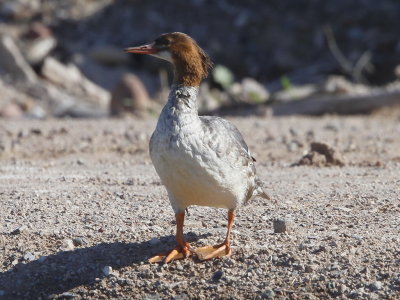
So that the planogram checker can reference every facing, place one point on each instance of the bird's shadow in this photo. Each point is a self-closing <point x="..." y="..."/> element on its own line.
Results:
<point x="65" y="270"/>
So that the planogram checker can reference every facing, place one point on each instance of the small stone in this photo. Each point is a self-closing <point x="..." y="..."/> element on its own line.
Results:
<point x="217" y="275"/>
<point x="69" y="295"/>
<point x="268" y="294"/>
<point x="29" y="256"/>
<point x="282" y="225"/>
<point x="2" y="293"/>
<point x="342" y="288"/>
<point x="78" y="242"/>
<point x="42" y="258"/>
<point x="67" y="245"/>
<point x="309" y="268"/>
<point x="129" y="281"/>
<point x="376" y="285"/>
<point x="154" y="241"/>
<point x="36" y="131"/>
<point x="107" y="270"/>
<point x="19" y="230"/>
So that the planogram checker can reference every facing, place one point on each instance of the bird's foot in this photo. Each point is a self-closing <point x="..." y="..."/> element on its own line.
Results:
<point x="179" y="252"/>
<point x="209" y="252"/>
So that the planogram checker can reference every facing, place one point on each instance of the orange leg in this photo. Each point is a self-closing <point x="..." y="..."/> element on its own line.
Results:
<point x="224" y="249"/>
<point x="182" y="249"/>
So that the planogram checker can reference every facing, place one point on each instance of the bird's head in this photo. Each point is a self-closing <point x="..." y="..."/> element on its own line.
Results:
<point x="190" y="61"/>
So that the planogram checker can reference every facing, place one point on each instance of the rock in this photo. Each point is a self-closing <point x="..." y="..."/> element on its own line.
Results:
<point x="63" y="104"/>
<point x="342" y="288"/>
<point x="309" y="268"/>
<point x="107" y="270"/>
<point x="67" y="245"/>
<point x="108" y="55"/>
<point x="78" y="242"/>
<point x="217" y="275"/>
<point x="38" y="49"/>
<point x="13" y="63"/>
<point x="295" y="93"/>
<point x="42" y="258"/>
<point x="154" y="241"/>
<point x="282" y="225"/>
<point x="253" y="92"/>
<point x="129" y="95"/>
<point x="69" y="295"/>
<point x="268" y="294"/>
<point x="223" y="76"/>
<point x="28" y="256"/>
<point x="36" y="112"/>
<point x="14" y="102"/>
<point x="70" y="78"/>
<point x="19" y="230"/>
<point x="11" y="111"/>
<point x="376" y="285"/>
<point x="320" y="155"/>
<point x="2" y="293"/>
<point x="339" y="85"/>
<point x="20" y="9"/>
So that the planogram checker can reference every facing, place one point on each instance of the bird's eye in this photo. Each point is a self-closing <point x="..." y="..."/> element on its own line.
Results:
<point x="162" y="44"/>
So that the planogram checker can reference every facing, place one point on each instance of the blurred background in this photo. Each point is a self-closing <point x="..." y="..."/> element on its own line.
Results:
<point x="65" y="58"/>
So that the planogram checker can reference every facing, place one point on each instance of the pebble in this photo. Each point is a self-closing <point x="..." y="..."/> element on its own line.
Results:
<point x="309" y="268"/>
<point x="343" y="288"/>
<point x="67" y="245"/>
<point x="268" y="294"/>
<point x="107" y="270"/>
<point x="376" y="285"/>
<point x="28" y="256"/>
<point x="282" y="225"/>
<point x="69" y="295"/>
<point x="19" y="230"/>
<point x="154" y="241"/>
<point x="2" y="293"/>
<point x="78" y="241"/>
<point x="217" y="275"/>
<point x="42" y="258"/>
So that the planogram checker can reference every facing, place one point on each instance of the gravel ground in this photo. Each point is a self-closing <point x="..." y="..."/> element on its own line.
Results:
<point x="82" y="209"/>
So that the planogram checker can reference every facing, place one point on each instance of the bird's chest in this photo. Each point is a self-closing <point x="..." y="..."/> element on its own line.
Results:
<point x="177" y="149"/>
<point x="184" y="164"/>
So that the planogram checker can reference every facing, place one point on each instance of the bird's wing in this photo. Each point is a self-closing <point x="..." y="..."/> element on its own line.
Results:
<point x="232" y="140"/>
<point x="228" y="132"/>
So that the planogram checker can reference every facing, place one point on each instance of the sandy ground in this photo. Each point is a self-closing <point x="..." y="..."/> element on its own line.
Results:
<point x="82" y="210"/>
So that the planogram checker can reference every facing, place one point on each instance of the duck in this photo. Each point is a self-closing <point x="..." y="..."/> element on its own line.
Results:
<point x="201" y="160"/>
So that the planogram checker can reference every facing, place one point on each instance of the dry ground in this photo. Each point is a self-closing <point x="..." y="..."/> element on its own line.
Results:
<point x="85" y="196"/>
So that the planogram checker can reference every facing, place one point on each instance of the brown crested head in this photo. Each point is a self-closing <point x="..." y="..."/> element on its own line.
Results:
<point x="190" y="61"/>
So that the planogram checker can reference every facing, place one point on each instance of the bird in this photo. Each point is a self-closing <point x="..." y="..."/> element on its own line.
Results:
<point x="201" y="160"/>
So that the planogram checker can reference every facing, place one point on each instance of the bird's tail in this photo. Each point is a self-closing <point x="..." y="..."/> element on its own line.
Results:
<point x="260" y="191"/>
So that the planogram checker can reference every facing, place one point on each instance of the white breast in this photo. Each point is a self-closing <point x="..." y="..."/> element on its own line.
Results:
<point x="194" y="175"/>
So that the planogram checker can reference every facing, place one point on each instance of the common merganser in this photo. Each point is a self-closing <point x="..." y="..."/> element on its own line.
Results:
<point x="200" y="160"/>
